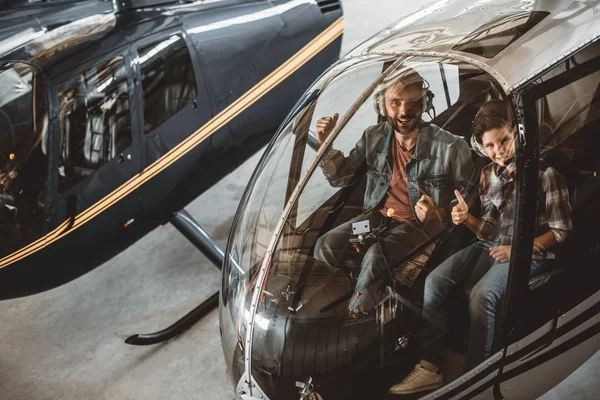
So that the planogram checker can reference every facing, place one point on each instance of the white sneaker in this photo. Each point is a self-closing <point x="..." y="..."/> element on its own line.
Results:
<point x="418" y="380"/>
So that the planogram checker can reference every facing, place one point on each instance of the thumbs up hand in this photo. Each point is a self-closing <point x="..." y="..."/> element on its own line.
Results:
<point x="459" y="211"/>
<point x="324" y="127"/>
<point x="425" y="208"/>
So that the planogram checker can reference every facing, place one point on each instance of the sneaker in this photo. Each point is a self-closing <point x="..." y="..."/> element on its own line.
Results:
<point x="418" y="380"/>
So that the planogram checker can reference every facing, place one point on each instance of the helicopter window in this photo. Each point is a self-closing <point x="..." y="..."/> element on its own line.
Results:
<point x="354" y="82"/>
<point x="441" y="80"/>
<point x="272" y="187"/>
<point x="567" y="106"/>
<point x="94" y="120"/>
<point x="327" y="202"/>
<point x="23" y="156"/>
<point x="168" y="79"/>
<point x="494" y="36"/>
<point x="277" y="179"/>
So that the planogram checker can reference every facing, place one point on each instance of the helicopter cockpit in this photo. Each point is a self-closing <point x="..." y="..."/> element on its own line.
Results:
<point x="301" y="289"/>
<point x="23" y="155"/>
<point x="286" y="320"/>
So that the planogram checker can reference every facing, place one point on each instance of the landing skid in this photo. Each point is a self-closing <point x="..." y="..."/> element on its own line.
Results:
<point x="192" y="231"/>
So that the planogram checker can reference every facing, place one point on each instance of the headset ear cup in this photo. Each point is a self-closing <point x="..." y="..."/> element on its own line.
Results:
<point x="378" y="104"/>
<point x="477" y="147"/>
<point x="381" y="106"/>
<point x="427" y="101"/>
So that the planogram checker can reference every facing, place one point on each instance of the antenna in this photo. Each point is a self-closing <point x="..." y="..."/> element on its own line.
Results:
<point x="126" y="5"/>
<point x="6" y="5"/>
<point x="117" y="5"/>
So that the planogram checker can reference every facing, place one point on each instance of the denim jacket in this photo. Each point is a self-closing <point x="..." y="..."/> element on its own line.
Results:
<point x="441" y="163"/>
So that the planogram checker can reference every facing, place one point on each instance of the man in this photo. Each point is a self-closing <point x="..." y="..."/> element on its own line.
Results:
<point x="412" y="170"/>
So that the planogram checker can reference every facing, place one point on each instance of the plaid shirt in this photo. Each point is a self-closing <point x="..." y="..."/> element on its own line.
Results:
<point x="497" y="194"/>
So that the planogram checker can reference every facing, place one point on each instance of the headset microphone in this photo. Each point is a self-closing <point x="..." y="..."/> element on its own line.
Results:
<point x="509" y="161"/>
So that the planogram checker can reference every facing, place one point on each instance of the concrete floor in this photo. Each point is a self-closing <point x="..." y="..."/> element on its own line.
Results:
<point x="68" y="343"/>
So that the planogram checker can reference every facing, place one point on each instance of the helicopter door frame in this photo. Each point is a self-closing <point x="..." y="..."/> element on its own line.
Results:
<point x="169" y="133"/>
<point x="567" y="329"/>
<point x="111" y="174"/>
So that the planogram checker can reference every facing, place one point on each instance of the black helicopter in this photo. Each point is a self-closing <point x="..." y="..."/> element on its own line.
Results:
<point x="115" y="115"/>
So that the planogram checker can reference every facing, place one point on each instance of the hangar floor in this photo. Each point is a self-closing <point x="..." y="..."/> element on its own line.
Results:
<point x="68" y="343"/>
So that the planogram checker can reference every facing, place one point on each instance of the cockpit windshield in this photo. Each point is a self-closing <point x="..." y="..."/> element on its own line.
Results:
<point x="23" y="156"/>
<point x="330" y="193"/>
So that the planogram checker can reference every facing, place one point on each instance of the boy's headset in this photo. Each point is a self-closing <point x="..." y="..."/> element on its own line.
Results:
<point x="426" y="97"/>
<point x="477" y="147"/>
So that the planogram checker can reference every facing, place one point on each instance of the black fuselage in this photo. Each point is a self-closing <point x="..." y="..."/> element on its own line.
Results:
<point x="233" y="46"/>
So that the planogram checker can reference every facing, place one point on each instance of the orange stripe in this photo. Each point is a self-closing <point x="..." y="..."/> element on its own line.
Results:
<point x="242" y="103"/>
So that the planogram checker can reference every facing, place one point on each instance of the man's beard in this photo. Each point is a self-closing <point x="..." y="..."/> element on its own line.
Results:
<point x="405" y="124"/>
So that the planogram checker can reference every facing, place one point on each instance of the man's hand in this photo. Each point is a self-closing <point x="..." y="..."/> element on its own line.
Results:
<point x="425" y="208"/>
<point x="324" y="127"/>
<point x="500" y="253"/>
<point x="460" y="211"/>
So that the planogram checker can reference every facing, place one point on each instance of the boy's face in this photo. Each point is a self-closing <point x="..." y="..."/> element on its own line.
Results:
<point x="499" y="144"/>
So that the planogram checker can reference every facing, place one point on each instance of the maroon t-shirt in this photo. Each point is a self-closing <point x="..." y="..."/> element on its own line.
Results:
<point x="397" y="193"/>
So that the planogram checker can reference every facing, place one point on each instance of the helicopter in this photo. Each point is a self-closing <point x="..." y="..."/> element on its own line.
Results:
<point x="284" y="314"/>
<point x="115" y="115"/>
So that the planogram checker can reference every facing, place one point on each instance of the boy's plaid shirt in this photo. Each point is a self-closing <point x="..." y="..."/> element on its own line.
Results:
<point x="497" y="194"/>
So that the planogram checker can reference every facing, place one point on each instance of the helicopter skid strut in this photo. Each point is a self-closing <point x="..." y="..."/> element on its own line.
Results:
<point x="192" y="231"/>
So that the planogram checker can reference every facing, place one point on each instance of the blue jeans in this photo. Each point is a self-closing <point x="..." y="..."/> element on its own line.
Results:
<point x="488" y="279"/>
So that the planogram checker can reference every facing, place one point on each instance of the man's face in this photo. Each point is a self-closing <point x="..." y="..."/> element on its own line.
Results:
<point x="403" y="107"/>
<point x="499" y="144"/>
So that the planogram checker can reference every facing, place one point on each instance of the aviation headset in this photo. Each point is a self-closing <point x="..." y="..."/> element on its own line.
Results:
<point x="479" y="150"/>
<point x="426" y="94"/>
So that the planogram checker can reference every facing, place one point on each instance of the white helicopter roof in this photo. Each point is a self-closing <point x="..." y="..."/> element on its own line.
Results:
<point x="440" y="26"/>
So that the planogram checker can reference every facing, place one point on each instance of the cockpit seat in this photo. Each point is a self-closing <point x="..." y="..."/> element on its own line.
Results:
<point x="106" y="127"/>
<point x="96" y="140"/>
<point x="537" y="281"/>
<point x="175" y="96"/>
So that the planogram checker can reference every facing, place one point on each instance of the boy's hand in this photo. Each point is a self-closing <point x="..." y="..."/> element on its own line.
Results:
<point x="460" y="211"/>
<point x="500" y="253"/>
<point x="425" y="208"/>
<point x="324" y="127"/>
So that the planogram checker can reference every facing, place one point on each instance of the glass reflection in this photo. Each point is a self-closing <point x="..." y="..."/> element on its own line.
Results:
<point x="95" y="124"/>
<point x="168" y="80"/>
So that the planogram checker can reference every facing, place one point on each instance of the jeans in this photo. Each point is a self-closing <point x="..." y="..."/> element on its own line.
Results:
<point x="334" y="247"/>
<point x="488" y="279"/>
